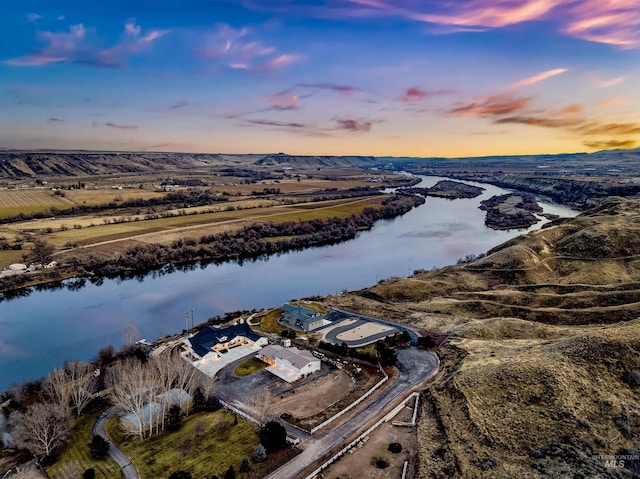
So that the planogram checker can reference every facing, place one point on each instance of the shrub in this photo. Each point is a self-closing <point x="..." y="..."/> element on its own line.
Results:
<point x="245" y="466"/>
<point x="380" y="463"/>
<point x="273" y="436"/>
<point x="98" y="447"/>
<point x="395" y="447"/>
<point x="180" y="475"/>
<point x="259" y="453"/>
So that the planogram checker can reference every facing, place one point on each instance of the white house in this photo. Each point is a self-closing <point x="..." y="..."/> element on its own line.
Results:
<point x="289" y="364"/>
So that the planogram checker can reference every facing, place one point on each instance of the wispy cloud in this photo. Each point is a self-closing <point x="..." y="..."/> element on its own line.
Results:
<point x="33" y="17"/>
<point x="118" y="126"/>
<point x="612" y="82"/>
<point x="610" y="144"/>
<point x="179" y="104"/>
<point x="298" y="128"/>
<point x="55" y="120"/>
<point x="342" y="89"/>
<point x="413" y="94"/>
<point x="492" y="105"/>
<point x="613" y="22"/>
<point x="539" y="77"/>
<point x="74" y="47"/>
<point x="237" y="49"/>
<point x="354" y="126"/>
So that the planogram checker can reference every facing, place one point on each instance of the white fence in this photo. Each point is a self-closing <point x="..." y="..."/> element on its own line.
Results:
<point x="352" y="405"/>
<point x="353" y="443"/>
<point x="240" y="413"/>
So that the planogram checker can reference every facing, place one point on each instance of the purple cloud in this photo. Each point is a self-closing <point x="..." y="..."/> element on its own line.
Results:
<point x="354" y="125"/>
<point x="55" y="120"/>
<point x="73" y="47"/>
<point x="235" y="48"/>
<point x="121" y="127"/>
<point x="179" y="104"/>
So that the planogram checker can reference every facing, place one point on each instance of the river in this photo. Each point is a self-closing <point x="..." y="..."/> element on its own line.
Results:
<point x="46" y="328"/>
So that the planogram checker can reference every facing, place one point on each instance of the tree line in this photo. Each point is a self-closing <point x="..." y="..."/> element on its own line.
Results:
<point x="249" y="242"/>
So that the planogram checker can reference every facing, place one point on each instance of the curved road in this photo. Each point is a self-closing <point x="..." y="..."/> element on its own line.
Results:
<point x="126" y="466"/>
<point x="415" y="365"/>
<point x="332" y="335"/>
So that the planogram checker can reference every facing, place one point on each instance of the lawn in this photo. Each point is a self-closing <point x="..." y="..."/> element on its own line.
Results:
<point x="269" y="321"/>
<point x="206" y="445"/>
<point x="77" y="449"/>
<point x="250" y="366"/>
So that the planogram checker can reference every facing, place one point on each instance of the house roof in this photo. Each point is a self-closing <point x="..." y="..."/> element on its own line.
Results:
<point x="302" y="313"/>
<point x="207" y="338"/>
<point x="299" y="358"/>
<point x="175" y="396"/>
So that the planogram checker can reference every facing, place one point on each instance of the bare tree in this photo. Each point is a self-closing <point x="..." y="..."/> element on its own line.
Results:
<point x="261" y="403"/>
<point x="42" y="429"/>
<point x="129" y="384"/>
<point x="56" y="387"/>
<point x="130" y="337"/>
<point x="81" y="385"/>
<point x="71" y="386"/>
<point x="70" y="470"/>
<point x="42" y="250"/>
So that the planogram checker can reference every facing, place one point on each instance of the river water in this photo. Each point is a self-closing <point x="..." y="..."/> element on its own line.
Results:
<point x="43" y="330"/>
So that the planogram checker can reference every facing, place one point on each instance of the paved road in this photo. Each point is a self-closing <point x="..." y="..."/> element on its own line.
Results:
<point x="332" y="336"/>
<point x="415" y="366"/>
<point x="339" y="314"/>
<point x="128" y="469"/>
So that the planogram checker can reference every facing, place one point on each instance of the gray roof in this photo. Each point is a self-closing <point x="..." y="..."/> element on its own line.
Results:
<point x="299" y="358"/>
<point x="302" y="313"/>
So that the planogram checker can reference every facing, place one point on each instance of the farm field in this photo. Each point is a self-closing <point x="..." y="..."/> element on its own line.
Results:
<point x="14" y="202"/>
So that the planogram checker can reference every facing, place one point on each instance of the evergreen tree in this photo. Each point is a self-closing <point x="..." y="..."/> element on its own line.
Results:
<point x="98" y="447"/>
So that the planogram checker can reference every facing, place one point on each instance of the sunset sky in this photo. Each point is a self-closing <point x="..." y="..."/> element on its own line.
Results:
<point x="367" y="77"/>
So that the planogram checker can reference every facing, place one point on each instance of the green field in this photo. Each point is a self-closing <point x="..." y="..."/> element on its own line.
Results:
<point x="250" y="366"/>
<point x="206" y="445"/>
<point x="269" y="321"/>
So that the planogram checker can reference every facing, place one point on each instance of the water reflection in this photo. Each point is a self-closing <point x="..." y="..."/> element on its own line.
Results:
<point x="49" y="326"/>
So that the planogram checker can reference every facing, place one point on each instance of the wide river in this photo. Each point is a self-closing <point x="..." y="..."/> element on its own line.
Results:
<point x="43" y="330"/>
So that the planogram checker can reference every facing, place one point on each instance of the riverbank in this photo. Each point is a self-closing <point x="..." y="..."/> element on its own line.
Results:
<point x="251" y="241"/>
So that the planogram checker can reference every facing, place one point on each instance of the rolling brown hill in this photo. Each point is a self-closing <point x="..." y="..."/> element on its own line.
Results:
<point x="541" y="375"/>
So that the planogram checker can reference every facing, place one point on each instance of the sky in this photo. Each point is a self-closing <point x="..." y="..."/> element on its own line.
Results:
<point x="427" y="78"/>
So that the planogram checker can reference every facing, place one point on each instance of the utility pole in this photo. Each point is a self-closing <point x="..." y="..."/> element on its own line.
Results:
<point x="188" y="319"/>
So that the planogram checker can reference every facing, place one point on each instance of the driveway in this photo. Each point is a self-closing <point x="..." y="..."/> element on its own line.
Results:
<point x="415" y="366"/>
<point x="127" y="468"/>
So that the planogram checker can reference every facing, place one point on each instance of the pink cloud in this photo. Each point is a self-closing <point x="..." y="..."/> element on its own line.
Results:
<point x="279" y="62"/>
<point x="492" y="105"/>
<point x="613" y="22"/>
<point x="539" y="77"/>
<point x="413" y="94"/>
<point x="612" y="82"/>
<point x="235" y="48"/>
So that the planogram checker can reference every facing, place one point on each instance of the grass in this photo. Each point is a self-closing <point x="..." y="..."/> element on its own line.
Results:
<point x="77" y="449"/>
<point x="250" y="366"/>
<point x="269" y="321"/>
<point x="206" y="444"/>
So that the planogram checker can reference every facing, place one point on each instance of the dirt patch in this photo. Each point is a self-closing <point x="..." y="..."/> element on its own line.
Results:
<point x="363" y="331"/>
<point x="315" y="396"/>
<point x="359" y="464"/>
<point x="365" y="377"/>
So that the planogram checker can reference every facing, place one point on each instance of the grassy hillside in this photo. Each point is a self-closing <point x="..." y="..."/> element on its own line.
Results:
<point x="540" y="377"/>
